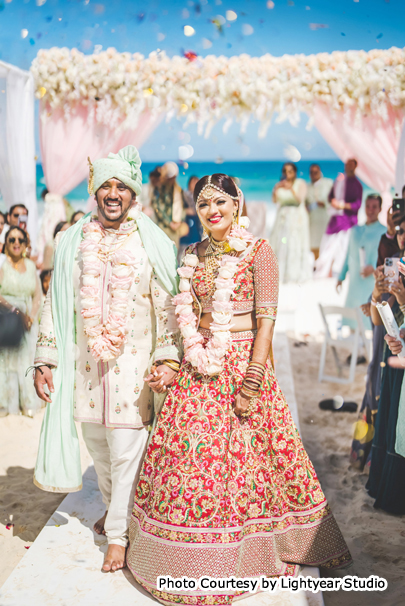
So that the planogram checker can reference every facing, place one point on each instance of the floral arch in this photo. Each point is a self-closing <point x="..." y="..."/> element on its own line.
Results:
<point x="93" y="103"/>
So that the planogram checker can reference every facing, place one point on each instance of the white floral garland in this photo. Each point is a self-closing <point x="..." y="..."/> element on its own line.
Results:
<point x="104" y="339"/>
<point x="122" y="85"/>
<point x="209" y="360"/>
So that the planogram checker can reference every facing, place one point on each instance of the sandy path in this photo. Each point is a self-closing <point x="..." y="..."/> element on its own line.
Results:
<point x="28" y="507"/>
<point x="375" y="539"/>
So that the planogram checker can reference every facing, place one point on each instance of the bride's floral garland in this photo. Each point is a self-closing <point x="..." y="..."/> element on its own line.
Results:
<point x="104" y="339"/>
<point x="209" y="360"/>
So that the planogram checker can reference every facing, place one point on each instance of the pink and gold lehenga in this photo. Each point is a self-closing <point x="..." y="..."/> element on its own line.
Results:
<point x="222" y="497"/>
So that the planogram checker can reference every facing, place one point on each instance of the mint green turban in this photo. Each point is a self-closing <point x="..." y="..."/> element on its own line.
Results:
<point x="125" y="166"/>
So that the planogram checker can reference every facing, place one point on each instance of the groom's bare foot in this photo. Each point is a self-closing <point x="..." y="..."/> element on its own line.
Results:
<point x="99" y="525"/>
<point x="114" y="558"/>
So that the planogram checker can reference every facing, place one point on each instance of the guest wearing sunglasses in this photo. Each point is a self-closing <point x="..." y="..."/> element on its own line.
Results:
<point x="20" y="293"/>
<point x="13" y="219"/>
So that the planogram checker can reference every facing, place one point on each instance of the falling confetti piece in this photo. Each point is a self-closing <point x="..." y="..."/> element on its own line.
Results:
<point x="190" y="55"/>
<point x="188" y="30"/>
<point x="24" y="33"/>
<point x="27" y="546"/>
<point x="147" y="92"/>
<point x="315" y="26"/>
<point x="231" y="15"/>
<point x="270" y="4"/>
<point x="206" y="43"/>
<point x="48" y="19"/>
<point x="185" y="13"/>
<point x="379" y="36"/>
<point x="183" y="108"/>
<point x="40" y="2"/>
<point x="57" y="525"/>
<point x="218" y="25"/>
<point x="247" y="29"/>
<point x="140" y="17"/>
<point x="32" y="41"/>
<point x="161" y="37"/>
<point x="9" y="526"/>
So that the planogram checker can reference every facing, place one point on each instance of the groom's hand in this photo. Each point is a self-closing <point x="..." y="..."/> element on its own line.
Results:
<point x="160" y="378"/>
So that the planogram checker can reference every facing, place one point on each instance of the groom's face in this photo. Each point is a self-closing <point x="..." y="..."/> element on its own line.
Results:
<point x="114" y="199"/>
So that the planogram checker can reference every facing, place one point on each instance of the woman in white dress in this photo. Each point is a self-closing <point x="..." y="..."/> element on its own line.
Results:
<point x="290" y="235"/>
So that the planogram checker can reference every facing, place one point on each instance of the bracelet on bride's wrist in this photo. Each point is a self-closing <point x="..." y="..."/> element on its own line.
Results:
<point x="173" y="364"/>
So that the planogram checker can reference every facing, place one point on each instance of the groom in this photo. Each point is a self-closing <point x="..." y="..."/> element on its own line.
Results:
<point x="107" y="318"/>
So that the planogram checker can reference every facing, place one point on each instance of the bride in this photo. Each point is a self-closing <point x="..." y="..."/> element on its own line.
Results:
<point x="226" y="488"/>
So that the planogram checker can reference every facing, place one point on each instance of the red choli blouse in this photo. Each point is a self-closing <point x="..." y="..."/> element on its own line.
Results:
<point x="256" y="282"/>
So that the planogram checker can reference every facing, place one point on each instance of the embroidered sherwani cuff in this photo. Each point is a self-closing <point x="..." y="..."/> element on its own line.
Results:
<point x="46" y="351"/>
<point x="167" y="352"/>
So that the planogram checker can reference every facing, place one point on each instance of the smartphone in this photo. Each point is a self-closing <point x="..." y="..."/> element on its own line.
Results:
<point x="391" y="269"/>
<point x="22" y="221"/>
<point x="398" y="210"/>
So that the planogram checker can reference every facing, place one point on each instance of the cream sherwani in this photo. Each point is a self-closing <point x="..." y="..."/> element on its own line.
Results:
<point x="111" y="399"/>
<point x="114" y="393"/>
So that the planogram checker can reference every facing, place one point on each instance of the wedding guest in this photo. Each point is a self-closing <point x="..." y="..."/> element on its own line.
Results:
<point x="290" y="236"/>
<point x="345" y="201"/>
<point x="49" y="247"/>
<point x="45" y="277"/>
<point x="361" y="257"/>
<point x="192" y="220"/>
<point x="168" y="203"/>
<point x="386" y="482"/>
<point x="317" y="204"/>
<point x="76" y="216"/>
<point x="2" y="223"/>
<point x="388" y="246"/>
<point x="12" y="219"/>
<point x="20" y="293"/>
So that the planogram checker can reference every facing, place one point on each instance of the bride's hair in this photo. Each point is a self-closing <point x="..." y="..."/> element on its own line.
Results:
<point x="221" y="181"/>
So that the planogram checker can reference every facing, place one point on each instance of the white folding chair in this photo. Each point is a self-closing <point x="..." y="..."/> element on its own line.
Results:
<point x="353" y="342"/>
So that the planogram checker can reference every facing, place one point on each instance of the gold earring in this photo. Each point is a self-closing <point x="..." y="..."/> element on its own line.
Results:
<point x="235" y="218"/>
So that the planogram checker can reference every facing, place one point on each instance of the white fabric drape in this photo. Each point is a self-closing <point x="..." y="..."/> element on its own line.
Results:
<point x="17" y="142"/>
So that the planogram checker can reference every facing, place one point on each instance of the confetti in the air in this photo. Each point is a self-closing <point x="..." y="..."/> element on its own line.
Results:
<point x="188" y="30"/>
<point x="206" y="43"/>
<point x="190" y="55"/>
<point x="24" y="33"/>
<point x="247" y="29"/>
<point x="270" y="4"/>
<point x="315" y="26"/>
<point x="231" y="15"/>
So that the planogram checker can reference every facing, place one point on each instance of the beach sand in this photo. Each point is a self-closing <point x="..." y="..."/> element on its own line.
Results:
<point x="376" y="539"/>
<point x="21" y="502"/>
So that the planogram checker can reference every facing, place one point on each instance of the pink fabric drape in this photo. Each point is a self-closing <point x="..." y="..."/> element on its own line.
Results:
<point x="65" y="147"/>
<point x="66" y="144"/>
<point x="374" y="144"/>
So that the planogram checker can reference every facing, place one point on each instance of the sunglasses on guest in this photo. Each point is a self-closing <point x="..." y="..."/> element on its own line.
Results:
<point x="20" y="240"/>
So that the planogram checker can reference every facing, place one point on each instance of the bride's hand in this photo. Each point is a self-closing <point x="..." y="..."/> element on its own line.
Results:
<point x="241" y="404"/>
<point x="160" y="378"/>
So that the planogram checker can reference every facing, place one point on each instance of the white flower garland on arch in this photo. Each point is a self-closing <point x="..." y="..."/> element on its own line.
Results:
<point x="122" y="85"/>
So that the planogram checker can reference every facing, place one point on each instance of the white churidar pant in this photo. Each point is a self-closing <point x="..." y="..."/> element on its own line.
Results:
<point x="117" y="454"/>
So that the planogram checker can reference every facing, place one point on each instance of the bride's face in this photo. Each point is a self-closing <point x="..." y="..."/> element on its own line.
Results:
<point x="216" y="211"/>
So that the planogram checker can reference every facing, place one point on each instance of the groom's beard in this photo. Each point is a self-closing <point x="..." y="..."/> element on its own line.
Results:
<point x="113" y="218"/>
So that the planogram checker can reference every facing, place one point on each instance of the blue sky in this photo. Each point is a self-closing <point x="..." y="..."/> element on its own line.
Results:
<point x="134" y="26"/>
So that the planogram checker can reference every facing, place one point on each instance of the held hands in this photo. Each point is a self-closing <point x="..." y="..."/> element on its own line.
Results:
<point x="42" y="379"/>
<point x="160" y="378"/>
<point x="336" y="204"/>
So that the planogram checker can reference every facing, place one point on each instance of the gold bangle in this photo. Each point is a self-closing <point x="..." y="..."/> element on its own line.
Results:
<point x="172" y="364"/>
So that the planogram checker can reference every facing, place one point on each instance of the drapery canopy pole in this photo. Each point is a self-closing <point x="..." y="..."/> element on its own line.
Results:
<point x="400" y="165"/>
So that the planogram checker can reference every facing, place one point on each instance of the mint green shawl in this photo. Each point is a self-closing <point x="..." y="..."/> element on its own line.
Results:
<point x="58" y="467"/>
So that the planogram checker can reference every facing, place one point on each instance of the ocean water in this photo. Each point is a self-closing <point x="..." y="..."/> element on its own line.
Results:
<point x="257" y="179"/>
